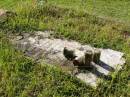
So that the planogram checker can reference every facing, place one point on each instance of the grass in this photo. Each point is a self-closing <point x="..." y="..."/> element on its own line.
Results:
<point x="21" y="77"/>
<point x="11" y="4"/>
<point x="116" y="9"/>
<point x="67" y="23"/>
<point x="8" y="3"/>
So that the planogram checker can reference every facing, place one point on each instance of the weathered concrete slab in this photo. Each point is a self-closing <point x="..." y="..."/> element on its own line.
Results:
<point x="42" y="45"/>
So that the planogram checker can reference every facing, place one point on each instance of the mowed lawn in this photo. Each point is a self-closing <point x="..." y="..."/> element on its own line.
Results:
<point x="116" y="9"/>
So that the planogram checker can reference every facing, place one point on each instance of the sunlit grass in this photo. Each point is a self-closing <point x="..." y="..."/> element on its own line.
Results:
<point x="116" y="9"/>
<point x="44" y="80"/>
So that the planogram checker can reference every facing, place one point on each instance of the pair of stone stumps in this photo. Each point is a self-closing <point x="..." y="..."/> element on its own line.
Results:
<point x="82" y="58"/>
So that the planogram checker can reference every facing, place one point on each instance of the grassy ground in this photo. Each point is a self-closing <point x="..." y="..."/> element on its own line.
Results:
<point x="21" y="77"/>
<point x="117" y="9"/>
<point x="69" y="23"/>
<point x="8" y="3"/>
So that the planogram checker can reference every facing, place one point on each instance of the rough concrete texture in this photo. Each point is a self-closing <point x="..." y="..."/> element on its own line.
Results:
<point x="42" y="45"/>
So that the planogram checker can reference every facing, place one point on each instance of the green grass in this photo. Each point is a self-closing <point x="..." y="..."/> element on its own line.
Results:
<point x="69" y="23"/>
<point x="21" y="77"/>
<point x="116" y="9"/>
<point x="8" y="3"/>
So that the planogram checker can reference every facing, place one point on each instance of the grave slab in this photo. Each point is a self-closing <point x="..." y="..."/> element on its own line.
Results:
<point x="42" y="46"/>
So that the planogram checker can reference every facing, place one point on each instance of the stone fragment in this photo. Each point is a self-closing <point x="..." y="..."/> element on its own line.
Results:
<point x="79" y="61"/>
<point x="96" y="56"/>
<point x="69" y="54"/>
<point x="88" y="58"/>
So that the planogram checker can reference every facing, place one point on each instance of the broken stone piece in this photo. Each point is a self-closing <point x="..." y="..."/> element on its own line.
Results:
<point x="96" y="56"/>
<point x="88" y="58"/>
<point x="79" y="61"/>
<point x="68" y="53"/>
